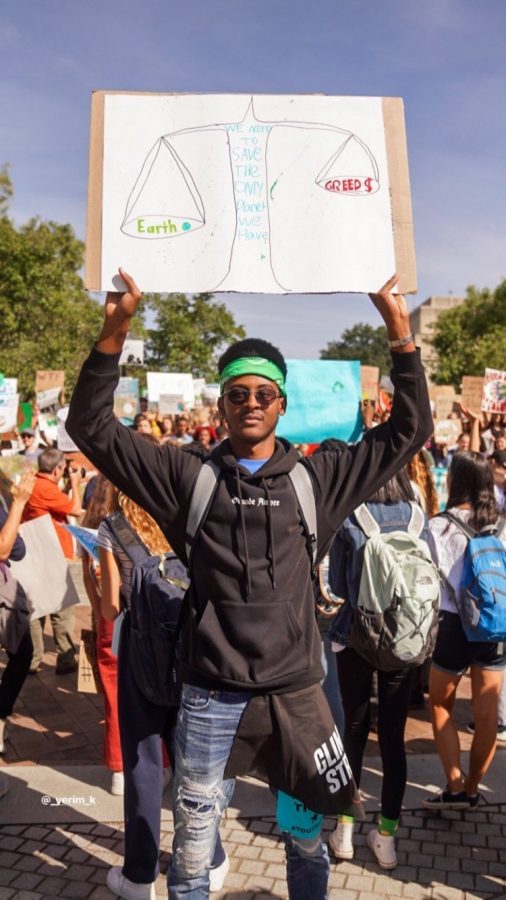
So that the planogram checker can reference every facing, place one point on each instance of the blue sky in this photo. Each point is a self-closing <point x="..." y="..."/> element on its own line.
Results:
<point x="444" y="57"/>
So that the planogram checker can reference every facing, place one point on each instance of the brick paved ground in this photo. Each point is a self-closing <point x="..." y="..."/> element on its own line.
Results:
<point x="451" y="857"/>
<point x="455" y="855"/>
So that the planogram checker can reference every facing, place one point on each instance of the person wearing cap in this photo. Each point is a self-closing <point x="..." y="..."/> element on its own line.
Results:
<point x="250" y="654"/>
<point x="31" y="449"/>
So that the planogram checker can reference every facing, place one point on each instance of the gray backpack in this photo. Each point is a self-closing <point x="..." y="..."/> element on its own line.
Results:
<point x="395" y="622"/>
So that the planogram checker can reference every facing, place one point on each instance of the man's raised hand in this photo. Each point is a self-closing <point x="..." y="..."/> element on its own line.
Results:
<point x="119" y="308"/>
<point x="393" y="309"/>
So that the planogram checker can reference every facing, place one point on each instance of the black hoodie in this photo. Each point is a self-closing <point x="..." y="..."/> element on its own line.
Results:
<point x="251" y="623"/>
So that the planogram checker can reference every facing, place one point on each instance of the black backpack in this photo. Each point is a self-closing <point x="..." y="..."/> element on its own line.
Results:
<point x="158" y="585"/>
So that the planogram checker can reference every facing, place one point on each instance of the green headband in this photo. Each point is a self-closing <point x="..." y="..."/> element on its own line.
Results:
<point x="253" y="365"/>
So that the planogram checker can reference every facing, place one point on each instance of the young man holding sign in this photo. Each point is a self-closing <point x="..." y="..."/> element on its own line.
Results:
<point x="250" y="655"/>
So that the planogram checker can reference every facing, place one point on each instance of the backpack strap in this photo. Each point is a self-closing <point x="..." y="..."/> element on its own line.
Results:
<point x="204" y="490"/>
<point x="304" y="491"/>
<point x="127" y="538"/>
<point x="462" y="526"/>
<point x="417" y="520"/>
<point x="366" y="520"/>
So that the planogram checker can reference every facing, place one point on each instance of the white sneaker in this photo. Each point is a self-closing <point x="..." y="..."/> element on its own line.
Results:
<point x="341" y="840"/>
<point x="4" y="785"/>
<point x="129" y="890"/>
<point x="217" y="876"/>
<point x="3" y="724"/>
<point x="117" y="784"/>
<point x="383" y="847"/>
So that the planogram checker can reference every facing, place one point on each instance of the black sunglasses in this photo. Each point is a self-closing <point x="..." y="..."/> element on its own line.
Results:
<point x="264" y="396"/>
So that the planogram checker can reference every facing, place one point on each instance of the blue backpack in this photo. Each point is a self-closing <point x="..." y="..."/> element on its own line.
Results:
<point x="482" y="602"/>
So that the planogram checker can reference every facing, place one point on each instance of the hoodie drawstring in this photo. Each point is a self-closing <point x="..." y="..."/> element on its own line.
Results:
<point x="272" y="555"/>
<point x="244" y="537"/>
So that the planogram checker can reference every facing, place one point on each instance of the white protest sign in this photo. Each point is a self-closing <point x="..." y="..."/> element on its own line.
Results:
<point x="254" y="193"/>
<point x="171" y="383"/>
<point x="170" y="404"/>
<point x="210" y="394"/>
<point x="44" y="572"/>
<point x="63" y="440"/>
<point x="494" y="391"/>
<point x="132" y="353"/>
<point x="8" y="412"/>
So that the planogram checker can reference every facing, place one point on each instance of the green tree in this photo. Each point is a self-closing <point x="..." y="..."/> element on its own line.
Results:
<point x="188" y="332"/>
<point x="362" y="342"/>
<point x="48" y="320"/>
<point x="471" y="337"/>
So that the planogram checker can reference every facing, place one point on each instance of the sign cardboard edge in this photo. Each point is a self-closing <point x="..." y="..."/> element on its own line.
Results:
<point x="93" y="259"/>
<point x="400" y="193"/>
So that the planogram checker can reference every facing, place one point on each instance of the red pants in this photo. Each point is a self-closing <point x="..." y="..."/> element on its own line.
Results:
<point x="108" y="668"/>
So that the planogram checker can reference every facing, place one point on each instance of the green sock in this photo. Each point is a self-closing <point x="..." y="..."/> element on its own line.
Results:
<point x="388" y="826"/>
<point x="346" y="820"/>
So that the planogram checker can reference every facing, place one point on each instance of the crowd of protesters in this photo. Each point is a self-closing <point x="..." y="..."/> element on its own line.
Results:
<point x="476" y="467"/>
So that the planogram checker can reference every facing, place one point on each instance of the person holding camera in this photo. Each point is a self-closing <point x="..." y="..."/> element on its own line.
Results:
<point x="46" y="497"/>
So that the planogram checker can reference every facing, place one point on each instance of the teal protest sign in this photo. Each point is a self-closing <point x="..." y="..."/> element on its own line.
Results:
<point x="323" y="401"/>
<point x="295" y="818"/>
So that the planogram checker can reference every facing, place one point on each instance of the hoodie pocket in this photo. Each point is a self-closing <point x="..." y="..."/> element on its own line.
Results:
<point x="249" y="643"/>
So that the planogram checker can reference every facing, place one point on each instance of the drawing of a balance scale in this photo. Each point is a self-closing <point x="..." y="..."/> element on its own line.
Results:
<point x="167" y="185"/>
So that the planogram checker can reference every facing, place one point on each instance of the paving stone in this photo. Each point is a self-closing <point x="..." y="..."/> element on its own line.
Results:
<point x="359" y="883"/>
<point x="463" y="880"/>
<point x="248" y="851"/>
<point x="7" y="875"/>
<point x="241" y="837"/>
<point x="252" y="867"/>
<point x="37" y="832"/>
<point x="491" y="885"/>
<point x="27" y="895"/>
<point x="78" y="889"/>
<point x="26" y="881"/>
<point x="53" y="887"/>
<point x="28" y="863"/>
<point x="10" y="842"/>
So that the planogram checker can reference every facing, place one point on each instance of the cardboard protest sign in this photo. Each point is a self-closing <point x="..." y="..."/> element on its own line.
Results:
<point x="324" y="401"/>
<point x="170" y="404"/>
<point x="88" y="674"/>
<point x="472" y="392"/>
<point x="370" y="376"/>
<point x="126" y="400"/>
<point x="171" y="383"/>
<point x="444" y="405"/>
<point x="49" y="385"/>
<point x="44" y="572"/>
<point x="132" y="353"/>
<point x="494" y="391"/>
<point x="446" y="431"/>
<point x="63" y="440"/>
<point x="266" y="193"/>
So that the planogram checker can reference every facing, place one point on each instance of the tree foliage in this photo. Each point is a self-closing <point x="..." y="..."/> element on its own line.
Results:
<point x="48" y="320"/>
<point x="471" y="337"/>
<point x="362" y="342"/>
<point x="188" y="332"/>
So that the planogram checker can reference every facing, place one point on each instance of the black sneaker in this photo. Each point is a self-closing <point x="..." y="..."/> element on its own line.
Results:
<point x="474" y="801"/>
<point x="446" y="800"/>
<point x="470" y="727"/>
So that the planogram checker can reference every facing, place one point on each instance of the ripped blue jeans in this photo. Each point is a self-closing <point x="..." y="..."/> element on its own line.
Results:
<point x="206" y="728"/>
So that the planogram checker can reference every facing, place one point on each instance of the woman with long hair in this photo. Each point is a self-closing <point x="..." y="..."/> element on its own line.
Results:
<point x="470" y="499"/>
<point x="103" y="502"/>
<point x="143" y="725"/>
<point x="422" y="482"/>
<point x="392" y="509"/>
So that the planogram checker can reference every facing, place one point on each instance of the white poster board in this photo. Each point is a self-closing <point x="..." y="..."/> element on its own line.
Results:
<point x="8" y="412"/>
<point x="63" y="440"/>
<point x="170" y="404"/>
<point x="44" y="572"/>
<point x="255" y="193"/>
<point x="175" y="383"/>
<point x="132" y="353"/>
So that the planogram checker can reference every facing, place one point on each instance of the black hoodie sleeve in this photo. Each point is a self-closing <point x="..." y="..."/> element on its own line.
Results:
<point x="158" y="478"/>
<point x="345" y="479"/>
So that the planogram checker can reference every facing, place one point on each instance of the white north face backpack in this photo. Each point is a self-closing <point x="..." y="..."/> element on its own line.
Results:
<point x="396" y="618"/>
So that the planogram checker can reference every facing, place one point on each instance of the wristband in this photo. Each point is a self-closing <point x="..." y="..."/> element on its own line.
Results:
<point x="401" y="342"/>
